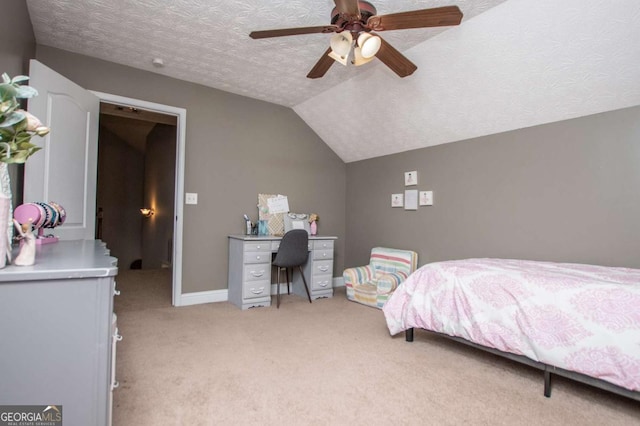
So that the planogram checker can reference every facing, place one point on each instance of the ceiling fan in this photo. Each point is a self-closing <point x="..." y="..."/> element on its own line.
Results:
<point x="353" y="22"/>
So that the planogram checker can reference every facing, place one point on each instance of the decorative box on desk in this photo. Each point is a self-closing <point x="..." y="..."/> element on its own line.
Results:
<point x="250" y="269"/>
<point x="57" y="331"/>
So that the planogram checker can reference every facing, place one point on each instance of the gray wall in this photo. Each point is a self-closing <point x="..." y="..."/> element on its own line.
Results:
<point x="159" y="194"/>
<point x="566" y="191"/>
<point x="17" y="42"/>
<point x="236" y="148"/>
<point x="17" y="46"/>
<point x="120" y="196"/>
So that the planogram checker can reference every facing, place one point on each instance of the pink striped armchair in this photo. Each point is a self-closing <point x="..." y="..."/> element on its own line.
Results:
<point x="373" y="284"/>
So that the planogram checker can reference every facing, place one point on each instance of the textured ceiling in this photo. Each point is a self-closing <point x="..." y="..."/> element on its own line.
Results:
<point x="510" y="64"/>
<point x="207" y="42"/>
<point x="519" y="64"/>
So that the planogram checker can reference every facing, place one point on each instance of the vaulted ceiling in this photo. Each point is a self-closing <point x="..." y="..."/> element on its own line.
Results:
<point x="510" y="64"/>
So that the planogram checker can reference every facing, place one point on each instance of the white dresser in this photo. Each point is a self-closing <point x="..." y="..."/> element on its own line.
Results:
<point x="249" y="278"/>
<point x="58" y="331"/>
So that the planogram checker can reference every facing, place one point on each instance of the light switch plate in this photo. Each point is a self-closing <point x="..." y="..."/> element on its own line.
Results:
<point x="191" y="198"/>
<point x="426" y="198"/>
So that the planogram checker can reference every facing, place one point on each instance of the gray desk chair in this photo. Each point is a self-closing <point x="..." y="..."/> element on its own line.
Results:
<point x="293" y="251"/>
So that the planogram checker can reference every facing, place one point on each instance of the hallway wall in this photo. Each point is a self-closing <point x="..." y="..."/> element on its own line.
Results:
<point x="119" y="194"/>
<point x="159" y="194"/>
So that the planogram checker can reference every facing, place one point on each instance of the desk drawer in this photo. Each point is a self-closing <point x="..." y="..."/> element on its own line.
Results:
<point x="259" y="271"/>
<point x="321" y="267"/>
<point x="257" y="257"/>
<point x="322" y="254"/>
<point x="257" y="246"/>
<point x="275" y="245"/>
<point x="253" y="289"/>
<point x="321" y="282"/>
<point x="323" y="245"/>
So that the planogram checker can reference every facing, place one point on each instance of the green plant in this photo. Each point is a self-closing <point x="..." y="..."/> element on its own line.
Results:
<point x="17" y="126"/>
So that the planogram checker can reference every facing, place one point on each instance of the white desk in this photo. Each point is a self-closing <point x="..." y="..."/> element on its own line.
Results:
<point x="249" y="278"/>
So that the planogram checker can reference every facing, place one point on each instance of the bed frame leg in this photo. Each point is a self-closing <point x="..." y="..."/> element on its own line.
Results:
<point x="408" y="335"/>
<point x="547" y="383"/>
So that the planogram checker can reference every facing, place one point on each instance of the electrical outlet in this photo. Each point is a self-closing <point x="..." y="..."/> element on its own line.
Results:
<point x="191" y="198"/>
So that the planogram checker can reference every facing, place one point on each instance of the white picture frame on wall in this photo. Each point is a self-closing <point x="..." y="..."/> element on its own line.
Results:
<point x="411" y="199"/>
<point x="426" y="198"/>
<point x="397" y="200"/>
<point x="410" y="178"/>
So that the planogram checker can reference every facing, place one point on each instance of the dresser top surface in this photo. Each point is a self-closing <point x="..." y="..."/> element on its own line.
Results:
<point x="64" y="259"/>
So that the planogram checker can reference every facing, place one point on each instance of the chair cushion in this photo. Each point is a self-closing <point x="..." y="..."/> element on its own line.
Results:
<point x="387" y="283"/>
<point x="366" y="293"/>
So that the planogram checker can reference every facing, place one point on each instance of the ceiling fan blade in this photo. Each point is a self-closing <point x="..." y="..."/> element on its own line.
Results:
<point x="436" y="17"/>
<point x="322" y="66"/>
<point x="348" y="7"/>
<point x="394" y="59"/>
<point x="293" y="31"/>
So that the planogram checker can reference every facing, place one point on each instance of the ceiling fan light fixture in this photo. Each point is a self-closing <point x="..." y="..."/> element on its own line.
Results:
<point x="341" y="43"/>
<point x="338" y="58"/>
<point x="369" y="45"/>
<point x="358" y="59"/>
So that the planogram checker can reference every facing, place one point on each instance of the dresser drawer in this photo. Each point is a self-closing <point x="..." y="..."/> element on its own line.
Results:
<point x="257" y="246"/>
<point x="322" y="254"/>
<point x="258" y="271"/>
<point x="323" y="245"/>
<point x="257" y="257"/>
<point x="321" y="282"/>
<point x="253" y="289"/>
<point x="321" y="267"/>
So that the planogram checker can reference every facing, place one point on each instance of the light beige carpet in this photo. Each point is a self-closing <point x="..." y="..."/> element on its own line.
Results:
<point x="327" y="363"/>
<point x="143" y="289"/>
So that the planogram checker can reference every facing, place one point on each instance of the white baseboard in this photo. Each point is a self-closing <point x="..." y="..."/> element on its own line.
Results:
<point x="212" y="296"/>
<point x="200" y="297"/>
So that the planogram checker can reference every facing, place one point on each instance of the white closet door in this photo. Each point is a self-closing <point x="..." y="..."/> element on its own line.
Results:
<point x="65" y="170"/>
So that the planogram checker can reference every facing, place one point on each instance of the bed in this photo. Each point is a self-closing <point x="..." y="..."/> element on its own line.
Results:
<point x="578" y="321"/>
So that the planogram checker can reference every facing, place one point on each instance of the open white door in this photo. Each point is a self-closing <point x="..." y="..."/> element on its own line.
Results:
<point x="65" y="170"/>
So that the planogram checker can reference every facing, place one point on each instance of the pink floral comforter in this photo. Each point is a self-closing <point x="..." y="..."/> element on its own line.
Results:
<point x="581" y="318"/>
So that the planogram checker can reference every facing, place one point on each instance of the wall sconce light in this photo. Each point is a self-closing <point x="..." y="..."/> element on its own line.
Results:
<point x="147" y="212"/>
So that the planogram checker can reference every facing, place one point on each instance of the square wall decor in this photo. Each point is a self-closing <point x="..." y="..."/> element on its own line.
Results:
<point x="397" y="200"/>
<point x="410" y="178"/>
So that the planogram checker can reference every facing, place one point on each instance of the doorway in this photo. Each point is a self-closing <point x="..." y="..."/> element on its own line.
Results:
<point x="140" y="166"/>
<point x="70" y="174"/>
